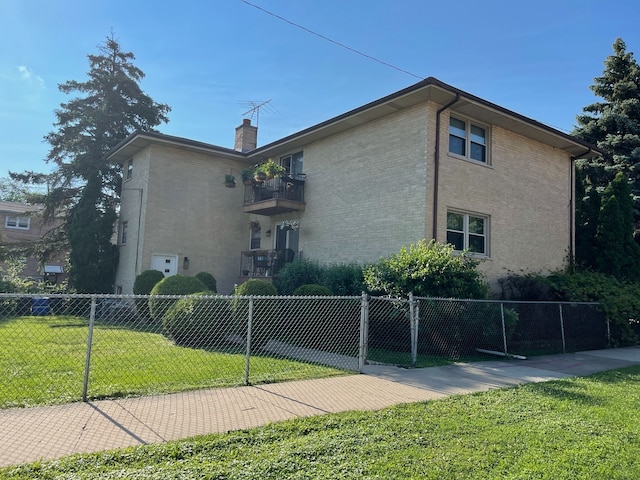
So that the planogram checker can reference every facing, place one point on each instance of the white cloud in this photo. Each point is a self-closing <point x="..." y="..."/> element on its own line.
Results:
<point x="28" y="76"/>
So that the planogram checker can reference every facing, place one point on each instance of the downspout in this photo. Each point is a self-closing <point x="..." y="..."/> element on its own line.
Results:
<point x="436" y="170"/>
<point x="572" y="207"/>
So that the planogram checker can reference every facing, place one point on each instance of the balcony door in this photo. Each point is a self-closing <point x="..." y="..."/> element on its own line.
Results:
<point x="286" y="246"/>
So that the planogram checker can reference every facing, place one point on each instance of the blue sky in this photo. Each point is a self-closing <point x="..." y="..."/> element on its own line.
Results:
<point x="206" y="59"/>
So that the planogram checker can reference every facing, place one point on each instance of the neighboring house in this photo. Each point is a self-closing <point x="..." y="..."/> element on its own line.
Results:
<point x="429" y="161"/>
<point x="23" y="224"/>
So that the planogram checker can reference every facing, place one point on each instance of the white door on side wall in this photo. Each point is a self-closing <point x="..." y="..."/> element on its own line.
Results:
<point x="167" y="264"/>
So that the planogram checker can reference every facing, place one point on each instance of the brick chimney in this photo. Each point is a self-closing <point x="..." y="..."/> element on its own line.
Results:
<point x="246" y="136"/>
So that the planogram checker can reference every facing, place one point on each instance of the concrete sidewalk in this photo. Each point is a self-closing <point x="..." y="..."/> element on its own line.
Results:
<point x="43" y="433"/>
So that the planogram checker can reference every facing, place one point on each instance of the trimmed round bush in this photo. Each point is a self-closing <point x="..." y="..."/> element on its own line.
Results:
<point x="208" y="279"/>
<point x="255" y="286"/>
<point x="143" y="285"/>
<point x="174" y="285"/>
<point x="313" y="290"/>
<point x="145" y="282"/>
<point x="198" y="322"/>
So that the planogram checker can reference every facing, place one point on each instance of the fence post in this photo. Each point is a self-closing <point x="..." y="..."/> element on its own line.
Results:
<point x="564" y="347"/>
<point x="364" y="332"/>
<point x="248" y="356"/>
<point x="87" y="359"/>
<point x="504" y="331"/>
<point x="414" y="331"/>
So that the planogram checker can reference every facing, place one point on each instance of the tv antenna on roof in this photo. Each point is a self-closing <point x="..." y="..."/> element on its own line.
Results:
<point x="255" y="106"/>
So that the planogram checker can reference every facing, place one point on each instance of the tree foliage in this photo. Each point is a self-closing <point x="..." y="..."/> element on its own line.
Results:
<point x="613" y="124"/>
<point x="93" y="258"/>
<point x="428" y="270"/>
<point x="110" y="106"/>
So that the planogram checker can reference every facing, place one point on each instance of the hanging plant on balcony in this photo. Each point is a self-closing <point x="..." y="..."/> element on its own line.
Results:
<point x="254" y="226"/>
<point x="247" y="176"/>
<point x="289" y="225"/>
<point x="259" y="176"/>
<point x="229" y="181"/>
<point x="270" y="169"/>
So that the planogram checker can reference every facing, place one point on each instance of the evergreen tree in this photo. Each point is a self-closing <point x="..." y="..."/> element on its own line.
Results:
<point x="587" y="216"/>
<point x="93" y="258"/>
<point x="613" y="124"/>
<point x="616" y="251"/>
<point x="110" y="107"/>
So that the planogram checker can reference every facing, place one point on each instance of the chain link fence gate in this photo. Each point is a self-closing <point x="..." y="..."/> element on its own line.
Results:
<point x="66" y="348"/>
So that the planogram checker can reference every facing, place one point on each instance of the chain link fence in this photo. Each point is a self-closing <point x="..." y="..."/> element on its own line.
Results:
<point x="432" y="331"/>
<point x="67" y="348"/>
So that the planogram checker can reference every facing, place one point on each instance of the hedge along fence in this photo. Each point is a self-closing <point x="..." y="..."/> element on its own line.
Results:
<point x="254" y="339"/>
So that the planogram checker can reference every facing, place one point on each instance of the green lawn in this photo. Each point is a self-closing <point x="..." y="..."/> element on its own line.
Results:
<point x="586" y="428"/>
<point x="42" y="362"/>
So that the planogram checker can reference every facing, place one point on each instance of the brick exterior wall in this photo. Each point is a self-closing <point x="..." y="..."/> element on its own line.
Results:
<point x="368" y="191"/>
<point x="37" y="229"/>
<point x="186" y="211"/>
<point x="525" y="191"/>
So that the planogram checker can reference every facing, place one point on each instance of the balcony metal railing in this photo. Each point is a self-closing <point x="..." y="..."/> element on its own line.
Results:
<point x="284" y="187"/>
<point x="265" y="263"/>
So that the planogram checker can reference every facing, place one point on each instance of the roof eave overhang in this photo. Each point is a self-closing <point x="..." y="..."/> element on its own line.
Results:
<point x="138" y="141"/>
<point x="432" y="89"/>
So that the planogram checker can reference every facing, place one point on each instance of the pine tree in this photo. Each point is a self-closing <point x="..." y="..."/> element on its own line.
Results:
<point x="616" y="253"/>
<point x="613" y="124"/>
<point x="110" y="107"/>
<point x="93" y="258"/>
<point x="587" y="216"/>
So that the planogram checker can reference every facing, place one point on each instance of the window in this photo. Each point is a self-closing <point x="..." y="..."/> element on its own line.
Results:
<point x="21" y="223"/>
<point x="255" y="239"/>
<point x="467" y="139"/>
<point x="129" y="169"/>
<point x="123" y="235"/>
<point x="292" y="163"/>
<point x="467" y="231"/>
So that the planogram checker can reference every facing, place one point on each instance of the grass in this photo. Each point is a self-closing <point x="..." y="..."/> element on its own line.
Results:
<point x="566" y="429"/>
<point x="43" y="358"/>
<point x="404" y="358"/>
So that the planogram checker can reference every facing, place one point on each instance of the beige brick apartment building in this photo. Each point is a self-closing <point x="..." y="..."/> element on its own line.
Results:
<point x="429" y="161"/>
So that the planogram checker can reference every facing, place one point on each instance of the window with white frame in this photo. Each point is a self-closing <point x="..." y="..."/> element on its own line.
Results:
<point x="129" y="169"/>
<point x="467" y="231"/>
<point x="292" y="163"/>
<point x="21" y="223"/>
<point x="468" y="139"/>
<point x="123" y="233"/>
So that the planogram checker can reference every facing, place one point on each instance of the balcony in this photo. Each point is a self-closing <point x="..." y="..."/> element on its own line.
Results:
<point x="265" y="263"/>
<point x="278" y="195"/>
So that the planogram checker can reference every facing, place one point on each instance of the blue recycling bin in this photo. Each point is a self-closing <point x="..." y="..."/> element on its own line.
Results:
<point x="40" y="306"/>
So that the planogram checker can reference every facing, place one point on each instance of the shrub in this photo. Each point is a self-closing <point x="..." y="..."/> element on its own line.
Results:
<point x="174" y="285"/>
<point x="265" y="321"/>
<point x="530" y="287"/>
<point x="255" y="286"/>
<point x="145" y="282"/>
<point x="341" y="279"/>
<point x="208" y="279"/>
<point x="312" y="290"/>
<point x="344" y="279"/>
<point x="428" y="270"/>
<point x="294" y="274"/>
<point x="620" y="300"/>
<point x="198" y="322"/>
<point x="143" y="285"/>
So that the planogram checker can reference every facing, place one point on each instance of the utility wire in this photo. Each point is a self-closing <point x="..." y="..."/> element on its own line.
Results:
<point x="332" y="41"/>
